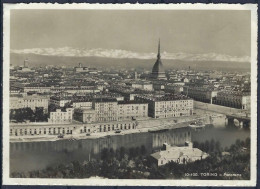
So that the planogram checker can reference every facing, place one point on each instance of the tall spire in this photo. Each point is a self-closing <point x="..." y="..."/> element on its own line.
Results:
<point x="25" y="63"/>
<point x="158" y="55"/>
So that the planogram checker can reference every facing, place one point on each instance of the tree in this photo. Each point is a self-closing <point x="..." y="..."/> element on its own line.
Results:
<point x="202" y="146"/>
<point x="28" y="114"/>
<point x="137" y="151"/>
<point x="39" y="115"/>
<point x="132" y="153"/>
<point x="207" y="146"/>
<point x="122" y="152"/>
<point x="217" y="146"/>
<point x="238" y="142"/>
<point x="212" y="145"/>
<point x="52" y="108"/>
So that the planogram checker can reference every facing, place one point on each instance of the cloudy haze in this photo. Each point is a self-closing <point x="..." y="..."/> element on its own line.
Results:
<point x="220" y="32"/>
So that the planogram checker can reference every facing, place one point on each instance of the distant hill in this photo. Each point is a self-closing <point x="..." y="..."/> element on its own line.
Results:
<point x="92" y="61"/>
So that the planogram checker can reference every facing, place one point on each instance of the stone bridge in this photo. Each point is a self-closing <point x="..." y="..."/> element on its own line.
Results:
<point x="243" y="120"/>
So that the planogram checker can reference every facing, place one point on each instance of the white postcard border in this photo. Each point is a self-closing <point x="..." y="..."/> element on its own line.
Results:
<point x="128" y="182"/>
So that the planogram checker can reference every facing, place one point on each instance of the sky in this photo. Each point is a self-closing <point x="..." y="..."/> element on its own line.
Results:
<point x="188" y="31"/>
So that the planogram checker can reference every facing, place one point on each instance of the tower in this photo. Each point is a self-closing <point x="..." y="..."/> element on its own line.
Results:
<point x="25" y="63"/>
<point x="136" y="76"/>
<point x="158" y="71"/>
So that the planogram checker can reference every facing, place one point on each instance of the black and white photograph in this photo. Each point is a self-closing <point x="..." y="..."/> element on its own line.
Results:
<point x="130" y="94"/>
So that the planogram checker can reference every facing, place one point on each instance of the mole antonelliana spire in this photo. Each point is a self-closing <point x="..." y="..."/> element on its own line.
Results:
<point x="159" y="55"/>
<point x="158" y="71"/>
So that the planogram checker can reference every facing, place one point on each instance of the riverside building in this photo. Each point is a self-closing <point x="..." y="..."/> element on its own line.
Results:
<point x="200" y="94"/>
<point x="105" y="109"/>
<point x="180" y="155"/>
<point x="132" y="110"/>
<point x="61" y="116"/>
<point x="234" y="99"/>
<point x="168" y="105"/>
<point x="85" y="115"/>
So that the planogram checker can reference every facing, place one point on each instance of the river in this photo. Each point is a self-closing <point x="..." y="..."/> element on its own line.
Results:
<point x="27" y="156"/>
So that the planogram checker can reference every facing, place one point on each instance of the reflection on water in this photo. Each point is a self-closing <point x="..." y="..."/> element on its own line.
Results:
<point x="38" y="155"/>
<point x="226" y="137"/>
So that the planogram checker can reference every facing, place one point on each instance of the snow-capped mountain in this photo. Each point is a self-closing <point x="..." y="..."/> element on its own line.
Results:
<point x="118" y="53"/>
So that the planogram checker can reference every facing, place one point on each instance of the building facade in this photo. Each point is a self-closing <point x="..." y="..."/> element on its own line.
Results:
<point x="85" y="115"/>
<point x="81" y="69"/>
<point x="60" y="101"/>
<point x="234" y="99"/>
<point x="132" y="110"/>
<point x="168" y="106"/>
<point x="61" y="117"/>
<point x="82" y="104"/>
<point x="143" y="86"/>
<point x="38" y="89"/>
<point x="200" y="94"/>
<point x="33" y="102"/>
<point x="105" y="110"/>
<point x="18" y="130"/>
<point x="180" y="155"/>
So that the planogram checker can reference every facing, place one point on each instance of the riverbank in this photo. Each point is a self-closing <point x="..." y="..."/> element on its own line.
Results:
<point x="143" y="126"/>
<point x="96" y="135"/>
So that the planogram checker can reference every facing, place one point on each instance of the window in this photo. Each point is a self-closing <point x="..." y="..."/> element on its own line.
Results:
<point x="161" y="161"/>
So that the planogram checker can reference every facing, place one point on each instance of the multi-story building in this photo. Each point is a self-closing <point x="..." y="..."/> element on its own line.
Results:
<point x="60" y="101"/>
<point x="61" y="116"/>
<point x="200" y="93"/>
<point x="33" y="102"/>
<point x="81" y="69"/>
<point x="85" y="115"/>
<point x="234" y="99"/>
<point x="132" y="110"/>
<point x="74" y="90"/>
<point x="105" y="109"/>
<point x="143" y="86"/>
<point x="82" y="104"/>
<point x="25" y="67"/>
<point x="18" y="130"/>
<point x="37" y="88"/>
<point x="168" y="106"/>
<point x="176" y="89"/>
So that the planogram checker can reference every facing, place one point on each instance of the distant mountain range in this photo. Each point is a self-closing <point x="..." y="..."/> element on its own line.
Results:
<point x="103" y="62"/>
<point x="123" y="54"/>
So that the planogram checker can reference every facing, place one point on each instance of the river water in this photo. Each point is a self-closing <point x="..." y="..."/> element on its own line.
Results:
<point x="27" y="156"/>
